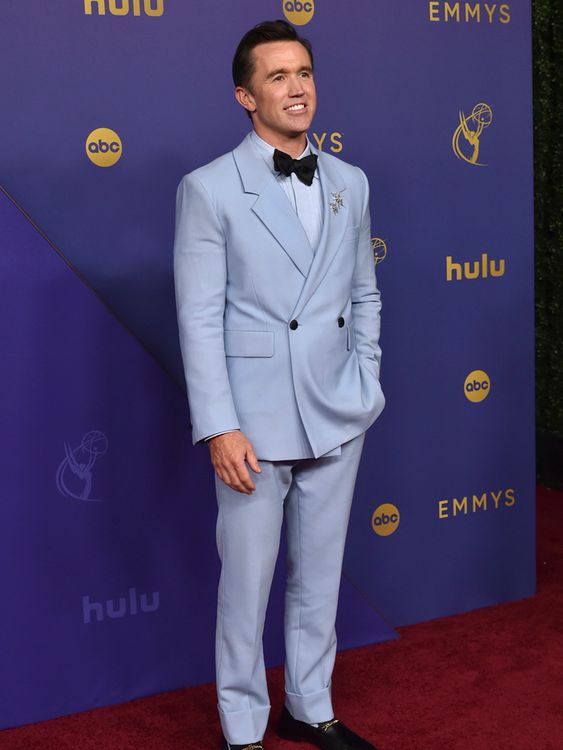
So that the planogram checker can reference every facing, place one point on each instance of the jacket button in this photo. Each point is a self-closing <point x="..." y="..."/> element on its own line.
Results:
<point x="341" y="322"/>
<point x="293" y="325"/>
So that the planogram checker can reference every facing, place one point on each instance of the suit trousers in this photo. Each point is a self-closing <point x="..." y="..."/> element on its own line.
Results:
<point x="315" y="495"/>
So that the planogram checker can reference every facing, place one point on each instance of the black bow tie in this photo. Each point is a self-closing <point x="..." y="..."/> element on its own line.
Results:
<point x="304" y="168"/>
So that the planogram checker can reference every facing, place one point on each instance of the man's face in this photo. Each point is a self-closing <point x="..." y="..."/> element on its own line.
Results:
<point x="282" y="95"/>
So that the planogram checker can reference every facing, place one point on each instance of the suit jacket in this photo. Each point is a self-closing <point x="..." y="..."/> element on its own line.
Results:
<point x="277" y="339"/>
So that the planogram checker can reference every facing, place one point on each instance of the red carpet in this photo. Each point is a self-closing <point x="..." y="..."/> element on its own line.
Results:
<point x="488" y="680"/>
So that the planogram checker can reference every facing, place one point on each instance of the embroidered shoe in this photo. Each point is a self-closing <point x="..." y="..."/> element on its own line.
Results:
<point x="330" y="735"/>
<point x="250" y="746"/>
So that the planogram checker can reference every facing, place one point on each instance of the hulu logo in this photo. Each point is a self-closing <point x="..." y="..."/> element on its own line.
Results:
<point x="125" y="606"/>
<point x="474" y="269"/>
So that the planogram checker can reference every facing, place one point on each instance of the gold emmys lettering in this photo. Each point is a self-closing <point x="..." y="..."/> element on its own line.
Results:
<point x="457" y="12"/>
<point x="466" y="140"/>
<point x="335" y="141"/>
<point x="477" y="503"/>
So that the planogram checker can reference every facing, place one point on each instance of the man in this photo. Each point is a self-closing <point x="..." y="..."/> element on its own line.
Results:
<point x="278" y="313"/>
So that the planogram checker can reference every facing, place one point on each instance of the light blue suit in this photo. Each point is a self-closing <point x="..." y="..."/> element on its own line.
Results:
<point x="281" y="341"/>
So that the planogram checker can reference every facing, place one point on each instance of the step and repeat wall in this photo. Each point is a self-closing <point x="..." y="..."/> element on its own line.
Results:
<point x="107" y="550"/>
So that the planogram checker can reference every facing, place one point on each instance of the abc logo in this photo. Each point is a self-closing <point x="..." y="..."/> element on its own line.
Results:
<point x="103" y="147"/>
<point x="385" y="519"/>
<point x="298" y="12"/>
<point x="477" y="386"/>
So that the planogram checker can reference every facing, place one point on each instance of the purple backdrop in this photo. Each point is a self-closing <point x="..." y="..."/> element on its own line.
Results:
<point x="109" y="567"/>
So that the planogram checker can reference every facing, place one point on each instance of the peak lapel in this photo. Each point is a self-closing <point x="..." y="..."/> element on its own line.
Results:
<point x="272" y="206"/>
<point x="334" y="226"/>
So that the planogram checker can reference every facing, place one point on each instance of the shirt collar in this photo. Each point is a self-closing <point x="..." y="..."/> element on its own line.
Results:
<point x="267" y="152"/>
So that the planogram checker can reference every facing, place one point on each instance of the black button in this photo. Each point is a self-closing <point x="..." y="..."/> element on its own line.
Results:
<point x="293" y="325"/>
<point x="341" y="322"/>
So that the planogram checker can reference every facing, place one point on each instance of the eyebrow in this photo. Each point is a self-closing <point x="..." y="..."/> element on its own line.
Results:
<point x="273" y="73"/>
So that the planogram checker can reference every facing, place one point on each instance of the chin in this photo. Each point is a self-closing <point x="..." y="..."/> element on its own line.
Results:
<point x="298" y="128"/>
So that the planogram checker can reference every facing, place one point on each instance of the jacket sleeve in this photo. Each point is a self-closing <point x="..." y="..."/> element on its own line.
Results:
<point x="200" y="278"/>
<point x="366" y="300"/>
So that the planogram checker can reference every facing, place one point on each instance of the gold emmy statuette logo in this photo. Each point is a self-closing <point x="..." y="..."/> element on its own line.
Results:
<point x="103" y="147"/>
<point x="379" y="248"/>
<point x="385" y="519"/>
<point x="466" y="140"/>
<point x="477" y="386"/>
<point x="298" y="12"/>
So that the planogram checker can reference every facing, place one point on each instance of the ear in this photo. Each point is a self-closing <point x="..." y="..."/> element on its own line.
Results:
<point x="245" y="99"/>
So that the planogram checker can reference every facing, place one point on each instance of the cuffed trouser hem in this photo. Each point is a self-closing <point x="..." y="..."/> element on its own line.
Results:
<point x="244" y="727"/>
<point x="313" y="708"/>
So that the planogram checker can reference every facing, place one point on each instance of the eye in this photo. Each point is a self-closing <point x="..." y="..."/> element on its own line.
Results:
<point x="305" y="74"/>
<point x="279" y="77"/>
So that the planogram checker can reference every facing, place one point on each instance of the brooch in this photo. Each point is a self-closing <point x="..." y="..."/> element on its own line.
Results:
<point x="336" y="202"/>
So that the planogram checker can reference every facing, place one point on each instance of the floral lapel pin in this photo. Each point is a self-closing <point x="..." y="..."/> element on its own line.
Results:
<point x="336" y="202"/>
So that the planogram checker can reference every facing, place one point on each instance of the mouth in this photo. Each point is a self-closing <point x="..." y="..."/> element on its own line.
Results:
<point x="298" y="107"/>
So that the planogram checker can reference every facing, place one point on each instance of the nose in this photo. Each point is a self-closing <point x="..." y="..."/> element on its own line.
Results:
<point x="295" y="86"/>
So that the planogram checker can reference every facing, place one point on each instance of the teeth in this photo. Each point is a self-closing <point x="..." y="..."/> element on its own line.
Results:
<point x="296" y="106"/>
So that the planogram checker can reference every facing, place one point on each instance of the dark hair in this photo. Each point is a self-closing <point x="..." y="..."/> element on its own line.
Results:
<point x="267" y="31"/>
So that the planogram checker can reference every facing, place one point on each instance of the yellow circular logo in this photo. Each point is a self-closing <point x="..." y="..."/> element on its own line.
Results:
<point x="385" y="519"/>
<point x="298" y="12"/>
<point x="477" y="386"/>
<point x="103" y="147"/>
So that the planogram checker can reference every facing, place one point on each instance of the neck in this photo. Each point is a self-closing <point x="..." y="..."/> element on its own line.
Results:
<point x="292" y="145"/>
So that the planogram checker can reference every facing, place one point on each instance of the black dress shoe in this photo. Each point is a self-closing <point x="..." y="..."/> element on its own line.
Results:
<point x="250" y="746"/>
<point x="330" y="735"/>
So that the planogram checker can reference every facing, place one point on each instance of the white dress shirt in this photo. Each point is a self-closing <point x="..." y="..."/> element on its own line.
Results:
<point x="305" y="199"/>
